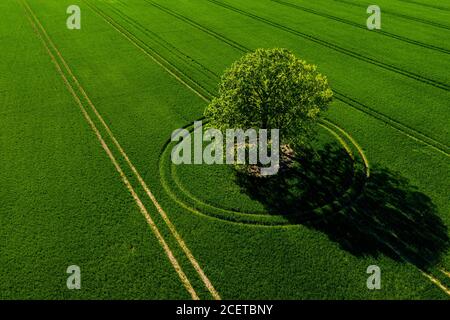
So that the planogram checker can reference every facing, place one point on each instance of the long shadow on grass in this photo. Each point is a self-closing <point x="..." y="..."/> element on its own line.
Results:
<point x="385" y="215"/>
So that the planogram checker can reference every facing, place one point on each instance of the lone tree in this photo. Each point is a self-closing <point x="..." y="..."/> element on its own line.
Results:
<point x="271" y="89"/>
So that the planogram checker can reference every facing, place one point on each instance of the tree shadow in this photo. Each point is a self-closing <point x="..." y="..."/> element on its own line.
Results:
<point x="310" y="181"/>
<point x="382" y="214"/>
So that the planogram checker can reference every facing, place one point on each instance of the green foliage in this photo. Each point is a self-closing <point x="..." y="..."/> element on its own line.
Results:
<point x="271" y="89"/>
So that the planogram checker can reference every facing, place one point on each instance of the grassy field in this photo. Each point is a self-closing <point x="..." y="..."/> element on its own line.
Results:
<point x="86" y="178"/>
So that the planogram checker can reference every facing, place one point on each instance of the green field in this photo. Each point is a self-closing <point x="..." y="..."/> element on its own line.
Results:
<point x="86" y="179"/>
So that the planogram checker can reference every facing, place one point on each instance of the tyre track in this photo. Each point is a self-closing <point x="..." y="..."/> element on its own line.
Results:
<point x="363" y="27"/>
<point x="350" y="53"/>
<point x="143" y="184"/>
<point x="59" y="68"/>
<point x="376" y="230"/>
<point x="427" y="5"/>
<point x="340" y="202"/>
<point x="150" y="195"/>
<point x="404" y="129"/>
<point x="195" y="87"/>
<point x="399" y="15"/>
<point x="161" y="41"/>
<point x="187" y="20"/>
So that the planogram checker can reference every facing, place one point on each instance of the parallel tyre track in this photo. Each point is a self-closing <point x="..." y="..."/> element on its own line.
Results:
<point x="187" y="20"/>
<point x="159" y="40"/>
<point x="399" y="15"/>
<point x="162" y="213"/>
<point x="76" y="92"/>
<point x="159" y="60"/>
<point x="427" y="5"/>
<point x="404" y="129"/>
<point x="327" y="44"/>
<point x="358" y="25"/>
<point x="194" y="86"/>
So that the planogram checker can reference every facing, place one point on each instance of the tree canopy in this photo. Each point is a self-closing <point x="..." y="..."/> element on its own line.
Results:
<point x="271" y="89"/>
